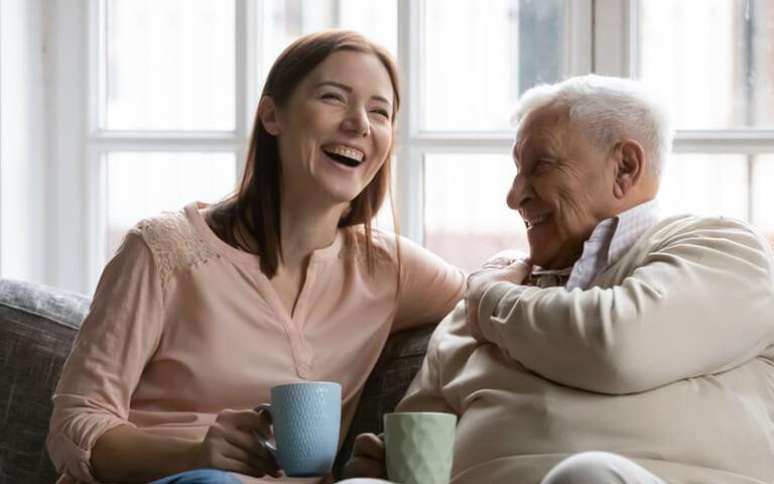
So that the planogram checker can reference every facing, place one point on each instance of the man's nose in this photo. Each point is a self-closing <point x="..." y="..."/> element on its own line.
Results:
<point x="356" y="122"/>
<point x="520" y="192"/>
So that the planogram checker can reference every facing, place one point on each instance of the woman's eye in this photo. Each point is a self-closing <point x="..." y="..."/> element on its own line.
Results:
<point x="332" y="95"/>
<point x="382" y="112"/>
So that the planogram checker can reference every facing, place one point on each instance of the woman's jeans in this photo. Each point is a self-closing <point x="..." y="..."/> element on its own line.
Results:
<point x="199" y="476"/>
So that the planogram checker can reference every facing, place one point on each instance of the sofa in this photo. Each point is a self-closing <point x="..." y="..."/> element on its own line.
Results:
<point x="37" y="328"/>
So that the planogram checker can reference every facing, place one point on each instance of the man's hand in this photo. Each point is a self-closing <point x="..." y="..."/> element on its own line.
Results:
<point x="367" y="458"/>
<point x="505" y="266"/>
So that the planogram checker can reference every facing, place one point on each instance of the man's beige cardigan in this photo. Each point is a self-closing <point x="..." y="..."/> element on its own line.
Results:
<point x="667" y="360"/>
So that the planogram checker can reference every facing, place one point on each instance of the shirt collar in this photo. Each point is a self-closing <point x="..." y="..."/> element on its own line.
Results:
<point x="630" y="227"/>
<point x="609" y="240"/>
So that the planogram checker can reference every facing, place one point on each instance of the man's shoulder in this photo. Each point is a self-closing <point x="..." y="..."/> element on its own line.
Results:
<point x="705" y="236"/>
<point x="703" y="226"/>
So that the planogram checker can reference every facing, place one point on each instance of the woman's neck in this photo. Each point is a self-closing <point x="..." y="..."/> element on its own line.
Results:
<point x="306" y="227"/>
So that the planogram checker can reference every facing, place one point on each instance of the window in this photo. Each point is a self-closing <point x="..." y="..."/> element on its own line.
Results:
<point x="174" y="85"/>
<point x="474" y="64"/>
<point x="711" y="61"/>
<point x="164" y="125"/>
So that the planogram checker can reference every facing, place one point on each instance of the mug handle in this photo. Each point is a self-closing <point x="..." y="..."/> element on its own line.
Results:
<point x="270" y="448"/>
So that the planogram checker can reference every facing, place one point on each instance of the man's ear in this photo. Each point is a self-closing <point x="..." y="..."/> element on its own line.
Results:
<point x="630" y="164"/>
<point x="268" y="115"/>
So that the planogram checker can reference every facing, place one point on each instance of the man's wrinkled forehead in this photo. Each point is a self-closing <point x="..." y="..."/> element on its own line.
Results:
<point x="541" y="128"/>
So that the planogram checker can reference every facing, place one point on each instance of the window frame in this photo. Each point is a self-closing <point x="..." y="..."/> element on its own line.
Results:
<point x="416" y="143"/>
<point x="77" y="182"/>
<point x="100" y="142"/>
<point x="748" y="142"/>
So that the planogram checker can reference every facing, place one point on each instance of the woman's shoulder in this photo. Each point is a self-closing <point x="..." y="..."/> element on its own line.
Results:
<point x="386" y="246"/>
<point x="173" y="241"/>
<point x="383" y="245"/>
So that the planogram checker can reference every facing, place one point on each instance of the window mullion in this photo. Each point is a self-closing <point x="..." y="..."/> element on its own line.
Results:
<point x="579" y="39"/>
<point x="612" y="40"/>
<point x="244" y="52"/>
<point x="410" y="182"/>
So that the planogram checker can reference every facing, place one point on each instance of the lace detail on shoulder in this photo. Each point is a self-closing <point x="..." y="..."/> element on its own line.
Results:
<point x="174" y="243"/>
<point x="354" y="246"/>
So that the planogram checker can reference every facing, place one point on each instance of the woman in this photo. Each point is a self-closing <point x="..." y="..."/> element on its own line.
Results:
<point x="201" y="312"/>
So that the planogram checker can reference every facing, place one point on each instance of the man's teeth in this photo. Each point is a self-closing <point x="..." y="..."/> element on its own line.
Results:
<point x="535" y="221"/>
<point x="346" y="151"/>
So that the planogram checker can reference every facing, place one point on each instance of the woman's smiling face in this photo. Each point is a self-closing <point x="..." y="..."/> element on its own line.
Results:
<point x="336" y="130"/>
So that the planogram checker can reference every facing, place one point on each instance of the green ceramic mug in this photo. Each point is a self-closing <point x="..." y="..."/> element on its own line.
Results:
<point x="419" y="447"/>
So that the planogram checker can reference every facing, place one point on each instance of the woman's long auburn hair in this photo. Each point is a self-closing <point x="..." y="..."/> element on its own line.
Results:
<point x="255" y="206"/>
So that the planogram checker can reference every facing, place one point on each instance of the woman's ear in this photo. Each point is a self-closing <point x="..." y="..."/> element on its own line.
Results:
<point x="630" y="164"/>
<point x="268" y="115"/>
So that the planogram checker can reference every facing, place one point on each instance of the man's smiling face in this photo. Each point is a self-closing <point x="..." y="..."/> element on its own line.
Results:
<point x="563" y="186"/>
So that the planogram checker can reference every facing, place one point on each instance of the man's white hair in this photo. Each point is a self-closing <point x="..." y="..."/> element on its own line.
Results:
<point x="609" y="108"/>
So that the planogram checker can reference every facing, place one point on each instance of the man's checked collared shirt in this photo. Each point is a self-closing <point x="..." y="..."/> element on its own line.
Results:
<point x="610" y="239"/>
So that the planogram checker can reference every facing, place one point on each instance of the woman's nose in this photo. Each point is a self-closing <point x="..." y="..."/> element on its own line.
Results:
<point x="357" y="123"/>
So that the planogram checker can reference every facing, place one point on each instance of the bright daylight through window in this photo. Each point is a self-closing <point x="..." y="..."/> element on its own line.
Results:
<point x="175" y="108"/>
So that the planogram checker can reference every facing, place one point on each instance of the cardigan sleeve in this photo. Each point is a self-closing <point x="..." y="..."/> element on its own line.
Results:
<point x="429" y="286"/>
<point x="700" y="303"/>
<point x="426" y="392"/>
<point x="112" y="347"/>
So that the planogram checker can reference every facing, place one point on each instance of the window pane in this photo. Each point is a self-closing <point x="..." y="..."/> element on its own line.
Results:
<point x="283" y="21"/>
<point x="170" y="65"/>
<point x="763" y="195"/>
<point x="477" y="60"/>
<point x="711" y="60"/>
<point x="466" y="218"/>
<point x="140" y="185"/>
<point x="705" y="185"/>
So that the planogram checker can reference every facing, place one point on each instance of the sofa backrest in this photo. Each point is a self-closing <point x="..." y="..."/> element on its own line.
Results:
<point x="37" y="328"/>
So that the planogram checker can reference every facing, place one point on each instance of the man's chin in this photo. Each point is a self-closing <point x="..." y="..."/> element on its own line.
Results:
<point x="540" y="253"/>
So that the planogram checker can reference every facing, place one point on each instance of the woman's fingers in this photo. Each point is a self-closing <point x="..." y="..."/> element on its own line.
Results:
<point x="246" y="419"/>
<point x="260" y="461"/>
<point x="234" y="438"/>
<point x="246" y="441"/>
<point x="244" y="427"/>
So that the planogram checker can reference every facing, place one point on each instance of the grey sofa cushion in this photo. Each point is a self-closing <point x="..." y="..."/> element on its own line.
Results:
<point x="37" y="327"/>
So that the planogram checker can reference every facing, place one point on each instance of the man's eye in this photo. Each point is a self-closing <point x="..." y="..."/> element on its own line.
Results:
<point x="541" y="166"/>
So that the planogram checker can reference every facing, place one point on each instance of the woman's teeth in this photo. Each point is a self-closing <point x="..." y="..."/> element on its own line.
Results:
<point x="344" y="154"/>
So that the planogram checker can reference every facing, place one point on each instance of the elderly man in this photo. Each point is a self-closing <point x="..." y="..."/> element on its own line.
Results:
<point x="628" y="348"/>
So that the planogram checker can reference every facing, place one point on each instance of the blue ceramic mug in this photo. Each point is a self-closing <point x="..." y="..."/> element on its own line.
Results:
<point x="306" y="418"/>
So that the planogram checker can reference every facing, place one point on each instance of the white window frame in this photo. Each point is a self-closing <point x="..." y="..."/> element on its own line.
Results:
<point x="747" y="142"/>
<point x="100" y="142"/>
<point x="602" y="39"/>
<point x="416" y="143"/>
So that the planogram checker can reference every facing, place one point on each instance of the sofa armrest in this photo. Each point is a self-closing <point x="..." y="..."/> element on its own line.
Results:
<point x="399" y="362"/>
<point x="37" y="327"/>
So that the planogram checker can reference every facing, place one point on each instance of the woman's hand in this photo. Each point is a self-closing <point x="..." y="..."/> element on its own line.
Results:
<point x="367" y="458"/>
<point x="231" y="444"/>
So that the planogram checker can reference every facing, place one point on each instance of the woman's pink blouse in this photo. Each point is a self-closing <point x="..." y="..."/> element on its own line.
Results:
<point x="183" y="325"/>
